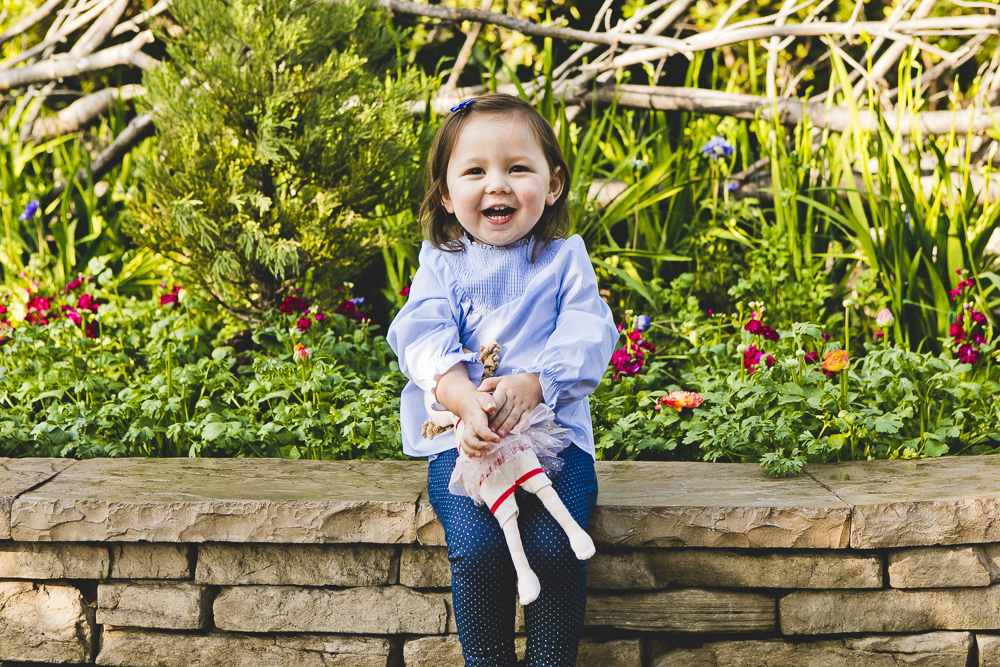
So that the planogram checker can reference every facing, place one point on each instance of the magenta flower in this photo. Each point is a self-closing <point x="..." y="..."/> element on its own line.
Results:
<point x="405" y="291"/>
<point x="304" y="323"/>
<point x="977" y="317"/>
<point x="967" y="354"/>
<point x="72" y="315"/>
<point x="91" y="329"/>
<point x="751" y="358"/>
<point x="294" y="304"/>
<point x="88" y="302"/>
<point x="811" y="358"/>
<point x="753" y="326"/>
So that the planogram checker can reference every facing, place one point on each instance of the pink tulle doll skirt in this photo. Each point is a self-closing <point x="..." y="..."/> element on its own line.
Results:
<point x="537" y="432"/>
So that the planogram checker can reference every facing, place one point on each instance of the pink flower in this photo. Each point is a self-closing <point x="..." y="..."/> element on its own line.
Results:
<point x="967" y="355"/>
<point x="977" y="317"/>
<point x="72" y="285"/>
<point x="304" y="323"/>
<point x="956" y="331"/>
<point x="836" y="361"/>
<point x="88" y="302"/>
<point x="405" y="291"/>
<point x="978" y="338"/>
<point x="71" y="314"/>
<point x="753" y="326"/>
<point x="320" y="317"/>
<point x="301" y="353"/>
<point x="627" y="363"/>
<point x="884" y="318"/>
<point x="634" y="336"/>
<point x="770" y="334"/>
<point x="811" y="358"/>
<point x="955" y="293"/>
<point x="751" y="358"/>
<point x="38" y="303"/>
<point x="294" y="304"/>
<point x="678" y="400"/>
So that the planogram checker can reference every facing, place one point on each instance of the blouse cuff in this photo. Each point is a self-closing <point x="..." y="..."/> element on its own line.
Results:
<point x="448" y="360"/>
<point x="551" y="386"/>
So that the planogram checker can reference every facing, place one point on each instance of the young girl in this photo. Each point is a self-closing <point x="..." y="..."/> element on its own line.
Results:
<point x="494" y="270"/>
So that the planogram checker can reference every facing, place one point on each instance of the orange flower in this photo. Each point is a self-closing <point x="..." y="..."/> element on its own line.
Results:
<point x="678" y="400"/>
<point x="300" y="353"/>
<point x="836" y="361"/>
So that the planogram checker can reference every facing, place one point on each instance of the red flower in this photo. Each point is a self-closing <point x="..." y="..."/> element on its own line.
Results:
<point x="967" y="355"/>
<point x="634" y="336"/>
<point x="956" y="331"/>
<point x="87" y="302"/>
<point x="770" y="334"/>
<point x="167" y="299"/>
<point x="753" y="326"/>
<point x="91" y="329"/>
<point x="70" y="313"/>
<point x="294" y="304"/>
<point x="38" y="303"/>
<point x="811" y="357"/>
<point x="955" y="293"/>
<point x="977" y="317"/>
<point x="304" y="323"/>
<point x="769" y="361"/>
<point x="751" y="358"/>
<point x="349" y="308"/>
<point x="34" y="317"/>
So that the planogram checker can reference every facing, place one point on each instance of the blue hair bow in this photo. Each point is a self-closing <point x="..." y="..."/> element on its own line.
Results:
<point x="462" y="105"/>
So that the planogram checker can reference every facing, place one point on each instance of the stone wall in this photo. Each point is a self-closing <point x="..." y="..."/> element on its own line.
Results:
<point x="268" y="563"/>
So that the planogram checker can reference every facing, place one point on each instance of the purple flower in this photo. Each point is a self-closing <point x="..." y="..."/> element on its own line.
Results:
<point x="732" y="186"/>
<point x="642" y="323"/>
<point x="29" y="211"/>
<point x="906" y="219"/>
<point x="717" y="147"/>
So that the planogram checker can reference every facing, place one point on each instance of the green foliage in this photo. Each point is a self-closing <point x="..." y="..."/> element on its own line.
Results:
<point x="282" y="127"/>
<point x="157" y="381"/>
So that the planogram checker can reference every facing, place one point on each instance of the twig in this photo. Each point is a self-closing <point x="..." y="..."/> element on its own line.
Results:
<point x="133" y="23"/>
<point x="99" y="30"/>
<point x="29" y="20"/>
<point x="466" y="52"/>
<point x="57" y="36"/>
<point x="58" y="67"/>
<point x="83" y="111"/>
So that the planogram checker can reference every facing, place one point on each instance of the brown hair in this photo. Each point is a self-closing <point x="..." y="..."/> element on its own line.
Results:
<point x="441" y="228"/>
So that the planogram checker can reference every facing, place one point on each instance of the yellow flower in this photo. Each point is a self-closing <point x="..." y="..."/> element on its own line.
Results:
<point x="836" y="361"/>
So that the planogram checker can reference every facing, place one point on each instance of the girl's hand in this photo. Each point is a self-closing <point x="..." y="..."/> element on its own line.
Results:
<point x="474" y="410"/>
<point x="516" y="395"/>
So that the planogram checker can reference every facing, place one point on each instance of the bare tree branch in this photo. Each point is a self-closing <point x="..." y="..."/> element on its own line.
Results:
<point x="99" y="30"/>
<point x="133" y="23"/>
<point x="58" y="67"/>
<point x="29" y="20"/>
<point x="57" y="35"/>
<point x="466" y="52"/>
<point x="140" y="128"/>
<point x="83" y="111"/>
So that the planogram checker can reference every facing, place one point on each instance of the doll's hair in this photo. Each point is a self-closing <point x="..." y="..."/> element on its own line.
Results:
<point x="441" y="228"/>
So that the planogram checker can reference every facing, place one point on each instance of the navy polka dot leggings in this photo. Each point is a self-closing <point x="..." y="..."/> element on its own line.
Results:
<point x="483" y="582"/>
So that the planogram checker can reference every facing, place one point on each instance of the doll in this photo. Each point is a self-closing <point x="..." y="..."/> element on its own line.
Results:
<point x="521" y="459"/>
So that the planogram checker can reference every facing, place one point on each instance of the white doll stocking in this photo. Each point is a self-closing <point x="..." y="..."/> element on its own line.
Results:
<point x="528" y="586"/>
<point x="579" y="540"/>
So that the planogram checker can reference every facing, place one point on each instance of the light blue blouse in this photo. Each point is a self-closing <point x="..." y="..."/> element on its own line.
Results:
<point x="546" y="315"/>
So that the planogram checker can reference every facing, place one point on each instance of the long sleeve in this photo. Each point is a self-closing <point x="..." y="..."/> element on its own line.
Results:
<point x="425" y="333"/>
<point x="576" y="354"/>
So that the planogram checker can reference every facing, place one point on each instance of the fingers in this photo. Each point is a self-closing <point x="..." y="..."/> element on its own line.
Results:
<point x="500" y="417"/>
<point x="489" y="384"/>
<point x="509" y="422"/>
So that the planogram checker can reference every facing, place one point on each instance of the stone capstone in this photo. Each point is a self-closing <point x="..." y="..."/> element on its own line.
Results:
<point x="940" y="567"/>
<point x="649" y="569"/>
<point x="296" y="564"/>
<point x="949" y="500"/>
<point x="143" y="560"/>
<point x="19" y="475"/>
<point x="683" y="610"/>
<point x="890" y="610"/>
<point x="44" y="623"/>
<point x="127" y="647"/>
<point x="63" y="560"/>
<point x="169" y="605"/>
<point x="989" y="650"/>
<point x="385" y="610"/>
<point x="424" y="567"/>
<point x="646" y="504"/>
<point x="446" y="651"/>
<point x="224" y="500"/>
<point x="936" y="649"/>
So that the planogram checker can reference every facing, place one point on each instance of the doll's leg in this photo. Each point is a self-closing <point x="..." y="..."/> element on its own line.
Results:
<point x="482" y="578"/>
<point x="555" y="620"/>
<point x="579" y="540"/>
<point x="527" y="582"/>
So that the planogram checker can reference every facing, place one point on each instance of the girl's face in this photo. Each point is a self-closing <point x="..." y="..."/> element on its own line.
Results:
<point x="499" y="180"/>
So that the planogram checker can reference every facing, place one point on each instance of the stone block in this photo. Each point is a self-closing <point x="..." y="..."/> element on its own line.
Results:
<point x="939" y="567"/>
<point x="144" y="560"/>
<point x="681" y="504"/>
<point x="126" y="648"/>
<point x="19" y="475"/>
<point x="446" y="651"/>
<point x="63" y="560"/>
<point x="296" y="564"/>
<point x="150" y="604"/>
<point x="989" y="650"/>
<point x="424" y="567"/>
<point x="430" y="532"/>
<point x="683" y="610"/>
<point x="951" y="500"/>
<point x="651" y="569"/>
<point x="44" y="623"/>
<point x="936" y="649"/>
<point x="224" y="500"/>
<point x="890" y="610"/>
<point x="385" y="610"/>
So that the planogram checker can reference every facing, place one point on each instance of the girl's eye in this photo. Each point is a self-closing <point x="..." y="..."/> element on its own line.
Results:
<point x="475" y="171"/>
<point x="519" y="167"/>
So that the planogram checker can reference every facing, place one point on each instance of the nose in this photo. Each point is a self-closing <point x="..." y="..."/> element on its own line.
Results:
<point x="497" y="184"/>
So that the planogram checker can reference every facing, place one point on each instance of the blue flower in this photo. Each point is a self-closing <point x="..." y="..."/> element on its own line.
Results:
<point x="642" y="323"/>
<point x="733" y="186"/>
<point x="906" y="219"/>
<point x="29" y="211"/>
<point x="358" y="301"/>
<point x="717" y="147"/>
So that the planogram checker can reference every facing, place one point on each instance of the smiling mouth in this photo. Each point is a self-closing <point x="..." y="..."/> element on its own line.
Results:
<point x="498" y="213"/>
